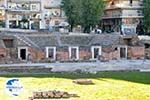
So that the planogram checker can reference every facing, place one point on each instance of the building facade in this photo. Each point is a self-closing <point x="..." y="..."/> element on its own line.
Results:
<point x="51" y="47"/>
<point x="30" y="14"/>
<point x="52" y="14"/>
<point x="23" y="14"/>
<point x="122" y="15"/>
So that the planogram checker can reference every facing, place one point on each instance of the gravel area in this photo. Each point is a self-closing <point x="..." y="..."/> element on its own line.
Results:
<point x="92" y="67"/>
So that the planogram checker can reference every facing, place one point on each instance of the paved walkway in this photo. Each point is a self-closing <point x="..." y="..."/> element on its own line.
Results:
<point x="93" y="67"/>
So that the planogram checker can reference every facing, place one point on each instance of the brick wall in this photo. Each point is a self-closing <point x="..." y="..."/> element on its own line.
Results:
<point x="84" y="54"/>
<point x="36" y="54"/>
<point x="111" y="55"/>
<point x="147" y="53"/>
<point x="62" y="54"/>
<point x="2" y="52"/>
<point x="136" y="52"/>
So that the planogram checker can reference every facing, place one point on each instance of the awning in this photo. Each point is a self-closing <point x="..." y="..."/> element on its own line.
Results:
<point x="64" y="24"/>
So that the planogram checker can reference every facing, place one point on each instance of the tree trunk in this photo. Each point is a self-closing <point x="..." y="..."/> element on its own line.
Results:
<point x="71" y="27"/>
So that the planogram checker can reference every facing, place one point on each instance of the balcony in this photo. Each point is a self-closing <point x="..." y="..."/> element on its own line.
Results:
<point x="24" y="6"/>
<point x="24" y="9"/>
<point x="52" y="4"/>
<point x="23" y="1"/>
<point x="124" y="5"/>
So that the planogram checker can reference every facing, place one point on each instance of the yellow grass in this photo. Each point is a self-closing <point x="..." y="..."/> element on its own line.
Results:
<point x="108" y="86"/>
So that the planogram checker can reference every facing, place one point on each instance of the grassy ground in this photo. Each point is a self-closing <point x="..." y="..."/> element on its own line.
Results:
<point x="108" y="85"/>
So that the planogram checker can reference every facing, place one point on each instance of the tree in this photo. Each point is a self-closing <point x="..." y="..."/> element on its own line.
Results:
<point x="146" y="12"/>
<point x="72" y="11"/>
<point x="92" y="11"/>
<point x="86" y="13"/>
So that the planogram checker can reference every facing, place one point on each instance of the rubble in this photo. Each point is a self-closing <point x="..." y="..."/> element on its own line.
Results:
<point x="83" y="81"/>
<point x="51" y="95"/>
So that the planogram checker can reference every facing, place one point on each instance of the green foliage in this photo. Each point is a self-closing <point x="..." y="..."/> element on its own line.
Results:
<point x="146" y="11"/>
<point x="72" y="11"/>
<point x="86" y="13"/>
<point x="91" y="13"/>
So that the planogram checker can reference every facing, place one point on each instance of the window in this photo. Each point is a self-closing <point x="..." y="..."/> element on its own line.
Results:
<point x="9" y="43"/>
<point x="51" y="53"/>
<point x="123" y="52"/>
<point x="147" y="46"/>
<point x="23" y="53"/>
<point x="57" y="22"/>
<point x="96" y="52"/>
<point x="130" y="2"/>
<point x="35" y="7"/>
<point x="74" y="53"/>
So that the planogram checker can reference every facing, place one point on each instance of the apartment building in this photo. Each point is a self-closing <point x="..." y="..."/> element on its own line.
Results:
<point x="119" y="15"/>
<point x="23" y="14"/>
<point x="122" y="15"/>
<point x="52" y="14"/>
<point x="30" y="14"/>
<point x="2" y="13"/>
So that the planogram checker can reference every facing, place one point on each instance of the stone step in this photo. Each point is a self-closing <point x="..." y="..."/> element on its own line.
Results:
<point x="5" y="70"/>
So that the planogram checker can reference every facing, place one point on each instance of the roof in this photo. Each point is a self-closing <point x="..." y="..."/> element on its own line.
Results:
<point x="75" y="40"/>
<point x="44" y="40"/>
<point x="106" y="40"/>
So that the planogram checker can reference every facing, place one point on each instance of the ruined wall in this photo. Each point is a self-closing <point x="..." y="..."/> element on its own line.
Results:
<point x="85" y="54"/>
<point x="2" y="52"/>
<point x="147" y="53"/>
<point x="62" y="54"/>
<point x="12" y="53"/>
<point x="136" y="52"/>
<point x="36" y="54"/>
<point x="109" y="53"/>
<point x="113" y="55"/>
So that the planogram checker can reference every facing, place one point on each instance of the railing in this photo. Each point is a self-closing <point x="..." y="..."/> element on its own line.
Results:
<point x="23" y="1"/>
<point x="17" y="30"/>
<point x="124" y="6"/>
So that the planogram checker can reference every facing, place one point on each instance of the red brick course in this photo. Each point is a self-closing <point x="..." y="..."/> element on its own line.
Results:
<point x="136" y="52"/>
<point x="84" y="54"/>
<point x="3" y="52"/>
